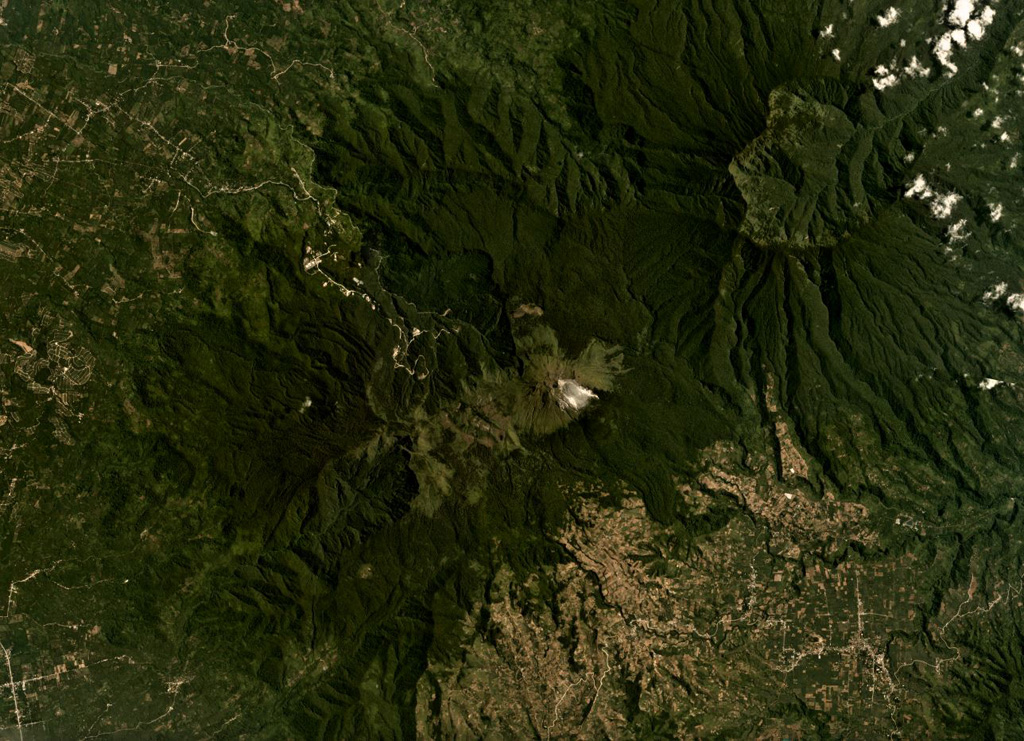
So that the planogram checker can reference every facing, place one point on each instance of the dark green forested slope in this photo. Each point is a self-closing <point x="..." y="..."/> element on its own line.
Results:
<point x="300" y="302"/>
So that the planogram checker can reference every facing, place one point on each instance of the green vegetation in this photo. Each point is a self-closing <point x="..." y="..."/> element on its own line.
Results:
<point x="377" y="369"/>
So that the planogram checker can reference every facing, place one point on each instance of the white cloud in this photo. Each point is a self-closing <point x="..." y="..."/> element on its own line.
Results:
<point x="966" y="21"/>
<point x="943" y="205"/>
<point x="888" y="17"/>
<point x="884" y="78"/>
<point x="957" y="232"/>
<point x="961" y="12"/>
<point x="995" y="292"/>
<point x="943" y="51"/>
<point x="573" y="396"/>
<point x="916" y="69"/>
<point x="920" y="188"/>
